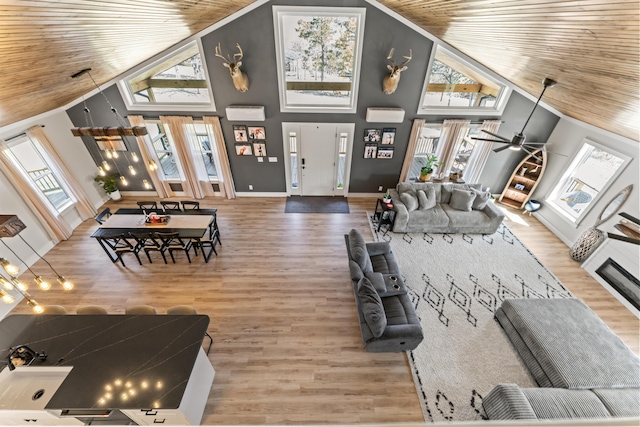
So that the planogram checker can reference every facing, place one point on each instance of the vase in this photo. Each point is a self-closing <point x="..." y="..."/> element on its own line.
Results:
<point x="586" y="244"/>
<point x="115" y="195"/>
<point x="424" y="177"/>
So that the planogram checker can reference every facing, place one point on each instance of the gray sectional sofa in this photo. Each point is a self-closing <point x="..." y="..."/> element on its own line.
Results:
<point x="443" y="208"/>
<point x="583" y="369"/>
<point x="388" y="321"/>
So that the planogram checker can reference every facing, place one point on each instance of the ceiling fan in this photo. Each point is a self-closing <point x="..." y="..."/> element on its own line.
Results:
<point x="517" y="142"/>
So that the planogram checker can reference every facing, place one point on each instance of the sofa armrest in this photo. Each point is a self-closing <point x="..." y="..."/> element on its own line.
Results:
<point x="492" y="211"/>
<point x="402" y="214"/>
<point x="507" y="402"/>
<point x="377" y="280"/>
<point x="378" y="248"/>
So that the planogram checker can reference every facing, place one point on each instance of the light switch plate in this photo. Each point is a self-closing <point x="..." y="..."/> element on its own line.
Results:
<point x="273" y="159"/>
<point x="260" y="159"/>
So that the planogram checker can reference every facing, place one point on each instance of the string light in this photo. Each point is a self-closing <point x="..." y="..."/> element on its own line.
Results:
<point x="146" y="184"/>
<point x="123" y="180"/>
<point x="101" y="171"/>
<point x="11" y="269"/>
<point x="134" y="157"/>
<point x="153" y="165"/>
<point x="106" y="165"/>
<point x="132" y="170"/>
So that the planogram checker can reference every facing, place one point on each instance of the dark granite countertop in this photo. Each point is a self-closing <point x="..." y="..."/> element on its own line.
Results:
<point x="112" y="355"/>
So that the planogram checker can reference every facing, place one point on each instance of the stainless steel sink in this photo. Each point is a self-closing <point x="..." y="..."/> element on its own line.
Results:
<point x="30" y="387"/>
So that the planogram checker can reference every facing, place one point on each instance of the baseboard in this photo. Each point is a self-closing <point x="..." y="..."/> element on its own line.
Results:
<point x="553" y="229"/>
<point x="261" y="194"/>
<point x="367" y="195"/>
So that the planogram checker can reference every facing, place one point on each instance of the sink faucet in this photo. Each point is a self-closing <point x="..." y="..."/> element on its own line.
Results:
<point x="22" y="355"/>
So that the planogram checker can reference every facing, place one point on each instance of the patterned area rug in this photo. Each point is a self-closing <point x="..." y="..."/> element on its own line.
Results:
<point x="456" y="282"/>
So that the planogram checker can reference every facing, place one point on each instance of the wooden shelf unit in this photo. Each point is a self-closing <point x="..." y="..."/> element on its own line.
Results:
<point x="528" y="174"/>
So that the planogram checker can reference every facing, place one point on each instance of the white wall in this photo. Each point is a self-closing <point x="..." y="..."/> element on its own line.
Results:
<point x="74" y="154"/>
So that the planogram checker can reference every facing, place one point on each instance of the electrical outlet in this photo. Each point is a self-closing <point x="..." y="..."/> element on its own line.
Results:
<point x="250" y="187"/>
<point x="380" y="188"/>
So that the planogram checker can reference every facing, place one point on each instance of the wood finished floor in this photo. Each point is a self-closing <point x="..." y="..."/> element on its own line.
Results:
<point x="287" y="346"/>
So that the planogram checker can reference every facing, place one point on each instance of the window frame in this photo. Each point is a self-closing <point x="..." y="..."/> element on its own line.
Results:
<point x="132" y="104"/>
<point x="179" y="177"/>
<point x="576" y="161"/>
<point x="318" y="11"/>
<point x="501" y="100"/>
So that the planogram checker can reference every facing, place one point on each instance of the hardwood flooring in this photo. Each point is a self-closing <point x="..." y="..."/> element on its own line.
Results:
<point x="287" y="345"/>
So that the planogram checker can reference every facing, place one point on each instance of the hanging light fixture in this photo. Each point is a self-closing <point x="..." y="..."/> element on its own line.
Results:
<point x="134" y="157"/>
<point x="11" y="269"/>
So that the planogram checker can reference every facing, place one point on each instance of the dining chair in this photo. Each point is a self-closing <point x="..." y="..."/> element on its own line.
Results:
<point x="207" y="242"/>
<point x="146" y="207"/>
<point x="53" y="309"/>
<point x="91" y="309"/>
<point x="103" y="216"/>
<point x="187" y="310"/>
<point x="170" y="205"/>
<point x="120" y="246"/>
<point x="188" y="204"/>
<point x="140" y="309"/>
<point x="173" y="242"/>
<point x="148" y="242"/>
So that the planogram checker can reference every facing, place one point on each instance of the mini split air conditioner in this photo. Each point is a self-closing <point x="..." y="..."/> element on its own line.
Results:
<point x="240" y="113"/>
<point x="385" y="115"/>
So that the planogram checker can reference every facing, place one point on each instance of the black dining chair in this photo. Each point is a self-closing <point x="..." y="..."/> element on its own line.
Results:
<point x="147" y="207"/>
<point x="103" y="216"/>
<point x="148" y="242"/>
<point x="170" y="205"/>
<point x="173" y="242"/>
<point x="120" y="246"/>
<point x="188" y="204"/>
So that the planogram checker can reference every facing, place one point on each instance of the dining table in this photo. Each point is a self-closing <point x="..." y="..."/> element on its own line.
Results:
<point x="187" y="226"/>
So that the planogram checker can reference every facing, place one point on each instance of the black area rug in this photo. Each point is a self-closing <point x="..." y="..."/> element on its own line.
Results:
<point x="316" y="204"/>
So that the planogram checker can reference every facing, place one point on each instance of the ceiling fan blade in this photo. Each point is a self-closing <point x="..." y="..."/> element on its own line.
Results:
<point x="490" y="140"/>
<point x="531" y="153"/>
<point x="535" y="143"/>
<point x="497" y="150"/>
<point x="497" y="136"/>
<point x="545" y="149"/>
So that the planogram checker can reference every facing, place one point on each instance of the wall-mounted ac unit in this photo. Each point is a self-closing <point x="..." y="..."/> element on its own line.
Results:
<point x="385" y="115"/>
<point x="241" y="113"/>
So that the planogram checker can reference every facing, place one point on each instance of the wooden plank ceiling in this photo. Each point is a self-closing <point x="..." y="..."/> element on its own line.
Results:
<point x="591" y="47"/>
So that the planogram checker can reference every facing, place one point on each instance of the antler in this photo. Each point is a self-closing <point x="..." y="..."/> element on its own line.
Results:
<point x="238" y="54"/>
<point x="407" y="58"/>
<point x="390" y="57"/>
<point x="219" y="54"/>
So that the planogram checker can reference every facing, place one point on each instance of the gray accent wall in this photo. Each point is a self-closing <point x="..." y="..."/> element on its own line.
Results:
<point x="254" y="32"/>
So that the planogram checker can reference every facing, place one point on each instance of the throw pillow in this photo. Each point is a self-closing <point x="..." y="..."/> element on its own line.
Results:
<point x="462" y="200"/>
<point x="427" y="198"/>
<point x="372" y="308"/>
<point x="358" y="251"/>
<point x="481" y="200"/>
<point x="410" y="200"/>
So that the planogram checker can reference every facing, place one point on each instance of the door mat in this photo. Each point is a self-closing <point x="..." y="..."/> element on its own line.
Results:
<point x="316" y="204"/>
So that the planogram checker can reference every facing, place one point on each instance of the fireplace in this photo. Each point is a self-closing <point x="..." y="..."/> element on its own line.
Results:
<point x="621" y="280"/>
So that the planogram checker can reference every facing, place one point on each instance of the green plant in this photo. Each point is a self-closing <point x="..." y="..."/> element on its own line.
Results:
<point x="108" y="183"/>
<point x="432" y="162"/>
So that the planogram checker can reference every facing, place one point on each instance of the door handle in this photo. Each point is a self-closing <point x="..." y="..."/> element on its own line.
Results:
<point x="302" y="163"/>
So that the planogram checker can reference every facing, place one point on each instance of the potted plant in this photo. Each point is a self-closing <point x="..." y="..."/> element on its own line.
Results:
<point x="427" y="169"/>
<point x="109" y="185"/>
<point x="387" y="197"/>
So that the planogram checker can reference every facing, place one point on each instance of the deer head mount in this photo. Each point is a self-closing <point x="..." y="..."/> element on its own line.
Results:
<point x="240" y="79"/>
<point x="390" y="81"/>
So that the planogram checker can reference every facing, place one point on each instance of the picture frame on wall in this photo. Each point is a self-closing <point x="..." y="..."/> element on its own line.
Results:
<point x="372" y="135"/>
<point x="260" y="149"/>
<point x="240" y="133"/>
<point x="385" y="152"/>
<point x="388" y="135"/>
<point x="244" y="150"/>
<point x="257" y="132"/>
<point x="370" y="150"/>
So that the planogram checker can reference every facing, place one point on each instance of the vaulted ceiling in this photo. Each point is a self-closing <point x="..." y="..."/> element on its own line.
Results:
<point x="591" y="47"/>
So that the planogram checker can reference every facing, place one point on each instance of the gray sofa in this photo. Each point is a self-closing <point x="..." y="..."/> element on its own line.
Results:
<point x="583" y="369"/>
<point x="443" y="208"/>
<point x="388" y="321"/>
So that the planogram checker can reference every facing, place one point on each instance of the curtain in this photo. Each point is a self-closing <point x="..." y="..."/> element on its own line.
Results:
<point x="480" y="152"/>
<point x="227" y="187"/>
<point x="409" y="157"/>
<point x="53" y="223"/>
<point x="196" y="182"/>
<point x="148" y="154"/>
<point x="451" y="136"/>
<point x="83" y="205"/>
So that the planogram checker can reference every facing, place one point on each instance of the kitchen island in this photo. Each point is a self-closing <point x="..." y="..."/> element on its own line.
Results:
<point x="152" y="369"/>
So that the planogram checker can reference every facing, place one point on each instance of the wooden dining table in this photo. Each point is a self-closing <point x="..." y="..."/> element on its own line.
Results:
<point x="187" y="227"/>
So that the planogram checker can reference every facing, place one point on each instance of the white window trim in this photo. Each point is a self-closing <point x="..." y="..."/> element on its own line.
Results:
<point x="133" y="105"/>
<point x="575" y="221"/>
<point x="278" y="12"/>
<point x="497" y="110"/>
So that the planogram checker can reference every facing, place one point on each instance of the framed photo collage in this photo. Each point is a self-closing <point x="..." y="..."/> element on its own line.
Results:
<point x="250" y="140"/>
<point x="378" y="143"/>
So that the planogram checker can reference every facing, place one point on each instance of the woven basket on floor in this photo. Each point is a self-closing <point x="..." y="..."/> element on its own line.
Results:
<point x="586" y="244"/>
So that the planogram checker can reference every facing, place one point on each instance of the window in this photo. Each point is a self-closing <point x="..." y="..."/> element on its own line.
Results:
<point x="342" y="157"/>
<point x="293" y="154"/>
<point x="591" y="172"/>
<point x="461" y="160"/>
<point x="455" y="86"/>
<point x="427" y="145"/>
<point x="207" y="150"/>
<point x="163" y="150"/>
<point x="318" y="53"/>
<point x="25" y="154"/>
<point x="178" y="81"/>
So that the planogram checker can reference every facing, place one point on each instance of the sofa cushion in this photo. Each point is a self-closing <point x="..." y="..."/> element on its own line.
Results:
<point x="481" y="200"/>
<point x="410" y="200"/>
<point x="446" y="190"/>
<point x="377" y="280"/>
<point x="424" y="186"/>
<point x="620" y="402"/>
<point x="394" y="311"/>
<point x="460" y="219"/>
<point x="358" y="251"/>
<point x="372" y="308"/>
<point x="462" y="200"/>
<point x="426" y="198"/>
<point x="507" y="402"/>
<point x="555" y="403"/>
<point x="434" y="217"/>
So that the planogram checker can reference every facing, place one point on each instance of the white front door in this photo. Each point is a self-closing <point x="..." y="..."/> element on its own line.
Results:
<point x="317" y="160"/>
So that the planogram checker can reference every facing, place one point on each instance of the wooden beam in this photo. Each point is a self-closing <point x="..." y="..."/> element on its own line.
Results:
<point x="168" y="83"/>
<point x="341" y="86"/>
<point x="110" y="131"/>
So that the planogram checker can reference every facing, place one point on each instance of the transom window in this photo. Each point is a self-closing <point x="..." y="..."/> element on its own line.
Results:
<point x="455" y="86"/>
<point x="178" y="81"/>
<point x="318" y="53"/>
<point x="591" y="172"/>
